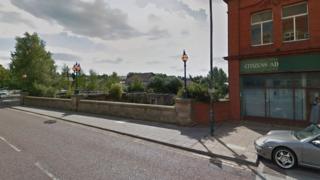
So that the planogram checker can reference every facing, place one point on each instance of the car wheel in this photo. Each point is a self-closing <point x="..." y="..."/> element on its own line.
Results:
<point x="284" y="158"/>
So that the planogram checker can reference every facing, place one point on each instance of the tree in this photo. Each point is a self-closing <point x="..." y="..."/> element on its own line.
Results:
<point x="136" y="85"/>
<point x="172" y="84"/>
<point x="157" y="84"/>
<point x="4" y="77"/>
<point x="32" y="67"/>
<point x="63" y="80"/>
<point x="92" y="84"/>
<point x="161" y="83"/>
<point x="220" y="80"/>
<point x="112" y="79"/>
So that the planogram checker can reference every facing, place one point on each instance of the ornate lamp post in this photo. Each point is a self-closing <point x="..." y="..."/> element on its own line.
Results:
<point x="185" y="59"/>
<point x="76" y="73"/>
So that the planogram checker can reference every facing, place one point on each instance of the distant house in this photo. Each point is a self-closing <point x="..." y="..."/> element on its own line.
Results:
<point x="145" y="78"/>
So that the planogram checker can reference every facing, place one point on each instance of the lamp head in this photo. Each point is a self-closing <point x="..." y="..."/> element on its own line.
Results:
<point x="184" y="56"/>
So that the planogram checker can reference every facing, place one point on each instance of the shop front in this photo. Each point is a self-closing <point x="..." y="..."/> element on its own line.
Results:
<point x="281" y="89"/>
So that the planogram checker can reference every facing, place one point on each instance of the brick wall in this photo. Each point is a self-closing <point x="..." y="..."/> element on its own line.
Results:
<point x="239" y="32"/>
<point x="200" y="112"/>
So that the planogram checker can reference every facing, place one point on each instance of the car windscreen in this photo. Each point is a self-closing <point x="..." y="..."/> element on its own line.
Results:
<point x="310" y="131"/>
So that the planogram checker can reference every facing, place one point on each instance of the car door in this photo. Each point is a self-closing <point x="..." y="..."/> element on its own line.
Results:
<point x="311" y="152"/>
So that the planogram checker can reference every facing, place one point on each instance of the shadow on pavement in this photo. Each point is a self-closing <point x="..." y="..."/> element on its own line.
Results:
<point x="218" y="162"/>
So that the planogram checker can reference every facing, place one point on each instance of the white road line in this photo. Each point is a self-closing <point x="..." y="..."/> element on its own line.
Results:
<point x="11" y="145"/>
<point x="51" y="176"/>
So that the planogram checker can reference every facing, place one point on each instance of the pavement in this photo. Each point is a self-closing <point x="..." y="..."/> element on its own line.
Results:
<point x="232" y="141"/>
<point x="39" y="147"/>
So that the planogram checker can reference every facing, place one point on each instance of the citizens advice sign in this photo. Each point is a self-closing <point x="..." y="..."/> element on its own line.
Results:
<point x="300" y="63"/>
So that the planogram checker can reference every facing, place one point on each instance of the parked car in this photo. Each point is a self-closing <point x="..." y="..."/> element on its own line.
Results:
<point x="4" y="93"/>
<point x="290" y="148"/>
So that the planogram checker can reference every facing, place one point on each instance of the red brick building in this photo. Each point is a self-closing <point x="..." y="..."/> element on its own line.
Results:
<point x="274" y="59"/>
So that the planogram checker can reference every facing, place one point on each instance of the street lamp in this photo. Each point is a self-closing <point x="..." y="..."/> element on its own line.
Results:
<point x="185" y="59"/>
<point x="24" y="78"/>
<point x="211" y="89"/>
<point x="76" y="73"/>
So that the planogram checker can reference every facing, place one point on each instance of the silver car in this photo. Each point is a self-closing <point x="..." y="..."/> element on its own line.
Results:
<point x="290" y="148"/>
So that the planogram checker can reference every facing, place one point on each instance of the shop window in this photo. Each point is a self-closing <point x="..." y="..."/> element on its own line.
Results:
<point x="261" y="28"/>
<point x="253" y="102"/>
<point x="295" y="22"/>
<point x="280" y="103"/>
<point x="280" y="96"/>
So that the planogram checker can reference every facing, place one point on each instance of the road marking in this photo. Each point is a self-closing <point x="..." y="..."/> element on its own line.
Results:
<point x="11" y="145"/>
<point x="51" y="176"/>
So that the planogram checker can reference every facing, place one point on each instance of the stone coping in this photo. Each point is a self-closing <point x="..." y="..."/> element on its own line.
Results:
<point x="128" y="104"/>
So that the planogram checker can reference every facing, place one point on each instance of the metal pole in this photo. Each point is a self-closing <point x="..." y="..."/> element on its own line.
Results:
<point x="76" y="85"/>
<point x="211" y="74"/>
<point x="185" y="79"/>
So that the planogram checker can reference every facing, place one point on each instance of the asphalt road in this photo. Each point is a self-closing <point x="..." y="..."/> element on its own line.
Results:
<point x="36" y="147"/>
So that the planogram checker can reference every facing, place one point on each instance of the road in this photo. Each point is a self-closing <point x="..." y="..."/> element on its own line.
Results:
<point x="36" y="147"/>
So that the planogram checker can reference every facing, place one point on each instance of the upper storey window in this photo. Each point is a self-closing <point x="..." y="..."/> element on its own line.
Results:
<point x="295" y="22"/>
<point x="261" y="28"/>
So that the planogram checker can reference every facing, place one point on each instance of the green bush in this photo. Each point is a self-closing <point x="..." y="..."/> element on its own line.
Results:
<point x="161" y="83"/>
<point x="196" y="91"/>
<point x="116" y="91"/>
<point x="136" y="85"/>
<point x="42" y="90"/>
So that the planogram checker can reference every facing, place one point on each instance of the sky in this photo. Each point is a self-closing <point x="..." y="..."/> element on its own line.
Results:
<point x="120" y="35"/>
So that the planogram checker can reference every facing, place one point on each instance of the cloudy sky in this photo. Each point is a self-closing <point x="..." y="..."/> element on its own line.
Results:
<point x="119" y="35"/>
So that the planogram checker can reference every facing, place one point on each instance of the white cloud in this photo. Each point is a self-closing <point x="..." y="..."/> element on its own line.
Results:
<point x="110" y="61"/>
<point x="93" y="19"/>
<point x="14" y="18"/>
<point x="175" y="6"/>
<point x="65" y="57"/>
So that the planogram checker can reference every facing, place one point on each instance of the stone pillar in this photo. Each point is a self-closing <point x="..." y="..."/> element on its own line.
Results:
<point x="184" y="111"/>
<point x="22" y="97"/>
<point x="75" y="99"/>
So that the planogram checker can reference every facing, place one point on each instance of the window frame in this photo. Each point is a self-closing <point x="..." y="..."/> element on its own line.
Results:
<point x="293" y="17"/>
<point x="261" y="27"/>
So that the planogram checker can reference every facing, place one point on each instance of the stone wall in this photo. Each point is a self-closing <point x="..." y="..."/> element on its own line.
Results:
<point x="147" y="112"/>
<point x="157" y="113"/>
<point x="185" y="112"/>
<point x="55" y="103"/>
